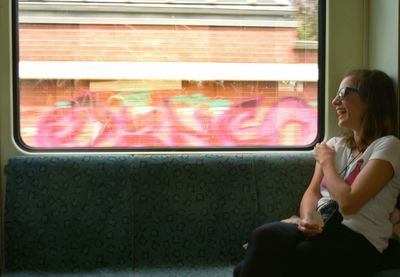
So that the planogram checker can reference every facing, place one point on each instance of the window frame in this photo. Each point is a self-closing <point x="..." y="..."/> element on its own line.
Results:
<point x="320" y="99"/>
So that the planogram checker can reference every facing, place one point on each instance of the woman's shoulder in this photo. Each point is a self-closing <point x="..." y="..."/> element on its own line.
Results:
<point x="390" y="140"/>
<point x="387" y="148"/>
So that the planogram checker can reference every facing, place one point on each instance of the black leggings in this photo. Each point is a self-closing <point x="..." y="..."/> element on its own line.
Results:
<point x="279" y="249"/>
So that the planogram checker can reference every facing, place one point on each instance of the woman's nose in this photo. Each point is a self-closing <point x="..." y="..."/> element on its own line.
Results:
<point x="336" y="100"/>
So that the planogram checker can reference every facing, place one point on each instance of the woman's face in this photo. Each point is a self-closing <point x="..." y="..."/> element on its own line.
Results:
<point x="351" y="108"/>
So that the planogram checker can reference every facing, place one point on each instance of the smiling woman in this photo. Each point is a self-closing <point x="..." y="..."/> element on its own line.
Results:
<point x="118" y="75"/>
<point x="357" y="224"/>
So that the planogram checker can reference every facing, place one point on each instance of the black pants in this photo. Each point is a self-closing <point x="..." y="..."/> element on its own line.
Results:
<point x="279" y="249"/>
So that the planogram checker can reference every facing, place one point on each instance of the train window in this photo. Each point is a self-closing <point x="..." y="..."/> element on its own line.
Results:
<point x="168" y="74"/>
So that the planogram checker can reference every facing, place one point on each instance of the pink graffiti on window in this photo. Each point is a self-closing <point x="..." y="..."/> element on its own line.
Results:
<point x="86" y="122"/>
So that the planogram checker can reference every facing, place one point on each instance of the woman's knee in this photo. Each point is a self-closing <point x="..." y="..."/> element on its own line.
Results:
<point x="273" y="232"/>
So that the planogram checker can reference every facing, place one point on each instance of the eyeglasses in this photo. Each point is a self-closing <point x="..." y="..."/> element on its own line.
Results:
<point x="342" y="93"/>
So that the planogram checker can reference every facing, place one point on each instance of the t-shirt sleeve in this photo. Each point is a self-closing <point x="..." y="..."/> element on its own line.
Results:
<point x="388" y="149"/>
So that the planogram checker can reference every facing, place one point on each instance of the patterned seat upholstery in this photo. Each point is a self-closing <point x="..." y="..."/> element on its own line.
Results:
<point x="143" y="215"/>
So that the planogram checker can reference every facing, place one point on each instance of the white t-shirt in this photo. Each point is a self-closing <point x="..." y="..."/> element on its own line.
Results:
<point x="372" y="221"/>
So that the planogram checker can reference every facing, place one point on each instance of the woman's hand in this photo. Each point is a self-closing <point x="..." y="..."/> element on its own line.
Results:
<point x="309" y="229"/>
<point x="323" y="153"/>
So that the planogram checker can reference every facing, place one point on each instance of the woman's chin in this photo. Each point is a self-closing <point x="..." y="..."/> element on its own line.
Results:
<point x="342" y="124"/>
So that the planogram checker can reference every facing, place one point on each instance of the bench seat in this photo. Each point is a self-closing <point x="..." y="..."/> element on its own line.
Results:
<point x="144" y="215"/>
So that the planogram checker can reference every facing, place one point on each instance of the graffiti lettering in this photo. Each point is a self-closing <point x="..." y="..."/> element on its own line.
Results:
<point x="87" y="123"/>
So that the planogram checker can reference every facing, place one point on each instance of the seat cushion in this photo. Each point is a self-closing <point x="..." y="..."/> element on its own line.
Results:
<point x="96" y="273"/>
<point x="195" y="271"/>
<point x="167" y="271"/>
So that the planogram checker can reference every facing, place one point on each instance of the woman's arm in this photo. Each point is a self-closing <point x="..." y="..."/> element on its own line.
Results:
<point x="374" y="176"/>
<point x="371" y="179"/>
<point x="309" y="204"/>
<point x="312" y="194"/>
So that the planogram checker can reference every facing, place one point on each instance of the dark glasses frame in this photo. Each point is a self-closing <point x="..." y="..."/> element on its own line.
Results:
<point x="344" y="91"/>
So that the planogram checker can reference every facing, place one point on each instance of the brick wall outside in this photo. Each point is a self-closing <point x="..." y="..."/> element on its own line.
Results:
<point x="160" y="44"/>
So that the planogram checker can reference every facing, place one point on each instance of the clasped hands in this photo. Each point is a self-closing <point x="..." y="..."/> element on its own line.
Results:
<point x="323" y="153"/>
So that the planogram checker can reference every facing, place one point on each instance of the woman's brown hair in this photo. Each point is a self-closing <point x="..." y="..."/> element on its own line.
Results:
<point x="380" y="118"/>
